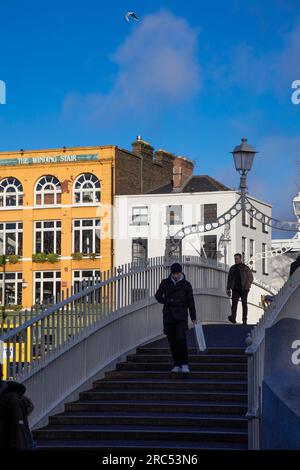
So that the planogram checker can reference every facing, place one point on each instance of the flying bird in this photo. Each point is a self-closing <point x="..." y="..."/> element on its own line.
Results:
<point x="131" y="14"/>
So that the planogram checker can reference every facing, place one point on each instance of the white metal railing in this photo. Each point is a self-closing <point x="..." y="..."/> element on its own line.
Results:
<point x="32" y="339"/>
<point x="256" y="355"/>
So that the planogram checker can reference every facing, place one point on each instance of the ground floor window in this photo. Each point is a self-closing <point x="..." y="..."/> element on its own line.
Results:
<point x="47" y="286"/>
<point x="11" y="289"/>
<point x="83" y="278"/>
<point x="209" y="246"/>
<point x="139" y="250"/>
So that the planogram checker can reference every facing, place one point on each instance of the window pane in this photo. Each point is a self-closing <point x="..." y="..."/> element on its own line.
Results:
<point x="210" y="246"/>
<point x="11" y="243"/>
<point x="48" y="199"/>
<point x="48" y="224"/>
<point x="1" y="243"/>
<point x="38" y="242"/>
<point x="10" y="293"/>
<point x="20" y="244"/>
<point x="48" y="275"/>
<point x="11" y="200"/>
<point x="87" y="241"/>
<point x="87" y="196"/>
<point x="210" y="213"/>
<point x="48" y="290"/>
<point x="48" y="242"/>
<point x="76" y="241"/>
<point x="58" y="242"/>
<point x="19" y="294"/>
<point x="97" y="245"/>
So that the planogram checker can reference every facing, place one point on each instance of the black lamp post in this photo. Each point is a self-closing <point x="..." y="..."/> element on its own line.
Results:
<point x="243" y="156"/>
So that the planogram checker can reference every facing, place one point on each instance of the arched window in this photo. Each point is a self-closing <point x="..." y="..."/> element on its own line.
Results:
<point x="47" y="191"/>
<point x="11" y="193"/>
<point x="87" y="189"/>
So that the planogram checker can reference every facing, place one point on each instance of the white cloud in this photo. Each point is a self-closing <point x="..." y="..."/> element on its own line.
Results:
<point x="257" y="71"/>
<point x="157" y="67"/>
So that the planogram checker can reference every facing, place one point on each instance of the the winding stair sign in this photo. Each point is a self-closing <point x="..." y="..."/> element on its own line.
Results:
<point x="280" y="426"/>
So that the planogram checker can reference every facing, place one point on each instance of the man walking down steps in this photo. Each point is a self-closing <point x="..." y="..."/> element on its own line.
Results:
<point x="176" y="294"/>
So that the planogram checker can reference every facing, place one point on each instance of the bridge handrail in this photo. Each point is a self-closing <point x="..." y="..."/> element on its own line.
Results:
<point x="255" y="352"/>
<point x="30" y="344"/>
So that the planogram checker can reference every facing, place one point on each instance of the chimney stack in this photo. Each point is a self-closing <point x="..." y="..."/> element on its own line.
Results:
<point x="183" y="168"/>
<point x="142" y="148"/>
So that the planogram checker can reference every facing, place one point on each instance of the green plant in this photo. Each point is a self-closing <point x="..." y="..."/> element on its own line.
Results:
<point x="14" y="307"/>
<point x="52" y="257"/>
<point x="77" y="256"/>
<point x="2" y="260"/>
<point x="92" y="255"/>
<point x="39" y="258"/>
<point x="3" y="312"/>
<point x="13" y="259"/>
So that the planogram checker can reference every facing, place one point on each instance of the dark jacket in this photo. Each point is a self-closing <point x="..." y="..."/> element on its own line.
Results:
<point x="295" y="265"/>
<point x="246" y="277"/>
<point x="177" y="299"/>
<point x="14" y="428"/>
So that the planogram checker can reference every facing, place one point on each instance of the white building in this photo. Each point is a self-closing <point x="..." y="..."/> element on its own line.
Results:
<point x="144" y="222"/>
<point x="284" y="251"/>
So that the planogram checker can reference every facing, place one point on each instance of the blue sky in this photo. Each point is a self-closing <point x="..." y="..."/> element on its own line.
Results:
<point x="192" y="77"/>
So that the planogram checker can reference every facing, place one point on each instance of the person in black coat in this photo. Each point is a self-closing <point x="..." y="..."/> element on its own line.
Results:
<point x="14" y="408"/>
<point x="176" y="294"/>
<point x="295" y="265"/>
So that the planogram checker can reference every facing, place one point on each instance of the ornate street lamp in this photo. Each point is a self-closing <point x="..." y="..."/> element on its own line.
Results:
<point x="243" y="156"/>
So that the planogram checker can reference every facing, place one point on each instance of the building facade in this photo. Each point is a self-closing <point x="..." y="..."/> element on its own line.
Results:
<point x="56" y="211"/>
<point x="145" y="223"/>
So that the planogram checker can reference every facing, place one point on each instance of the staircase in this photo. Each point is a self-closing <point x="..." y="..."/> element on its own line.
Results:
<point x="142" y="405"/>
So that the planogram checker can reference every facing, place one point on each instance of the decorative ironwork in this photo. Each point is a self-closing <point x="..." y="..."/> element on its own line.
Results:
<point x="200" y="227"/>
<point x="270" y="221"/>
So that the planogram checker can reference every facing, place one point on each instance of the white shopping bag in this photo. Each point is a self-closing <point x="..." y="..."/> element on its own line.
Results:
<point x="200" y="340"/>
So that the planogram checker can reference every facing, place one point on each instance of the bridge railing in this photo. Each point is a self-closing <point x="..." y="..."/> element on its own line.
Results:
<point x="31" y="342"/>
<point x="256" y="355"/>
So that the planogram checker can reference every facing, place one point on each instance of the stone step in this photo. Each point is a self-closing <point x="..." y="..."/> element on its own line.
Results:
<point x="173" y="378"/>
<point x="233" y="403"/>
<point x="153" y="419"/>
<point x="162" y="445"/>
<point x="239" y="382"/>
<point x="139" y="395"/>
<point x="158" y="384"/>
<point x="111" y="432"/>
<point x="214" y="351"/>
<point x="193" y="358"/>
<point x="130" y="365"/>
